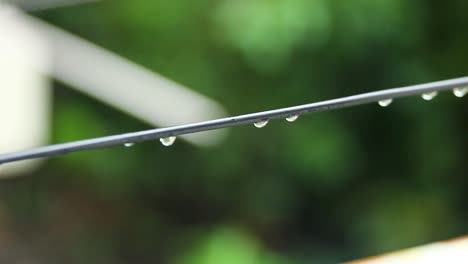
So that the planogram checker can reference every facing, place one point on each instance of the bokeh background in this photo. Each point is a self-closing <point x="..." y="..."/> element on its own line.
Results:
<point x="330" y="187"/>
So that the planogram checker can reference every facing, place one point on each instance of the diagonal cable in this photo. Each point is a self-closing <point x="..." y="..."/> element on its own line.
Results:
<point x="168" y="134"/>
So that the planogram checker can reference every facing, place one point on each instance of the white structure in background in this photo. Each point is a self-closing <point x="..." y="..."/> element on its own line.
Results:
<point x="30" y="50"/>
<point x="24" y="91"/>
<point x="453" y="251"/>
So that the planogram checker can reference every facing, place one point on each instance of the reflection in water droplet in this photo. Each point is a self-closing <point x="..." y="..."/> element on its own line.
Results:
<point x="127" y="145"/>
<point x="460" y="91"/>
<point x="429" y="96"/>
<point x="385" y="102"/>
<point x="261" y="124"/>
<point x="292" y="118"/>
<point x="167" y="141"/>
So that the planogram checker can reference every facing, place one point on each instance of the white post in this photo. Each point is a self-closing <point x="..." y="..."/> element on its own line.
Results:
<point x="24" y="89"/>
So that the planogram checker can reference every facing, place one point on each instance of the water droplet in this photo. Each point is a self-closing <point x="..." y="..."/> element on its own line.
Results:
<point x="460" y="91"/>
<point x="128" y="145"/>
<point x="292" y="118"/>
<point x="429" y="96"/>
<point x="261" y="124"/>
<point x="385" y="102"/>
<point x="168" y="141"/>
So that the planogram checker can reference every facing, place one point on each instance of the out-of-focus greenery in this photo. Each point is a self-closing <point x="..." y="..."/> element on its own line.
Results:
<point x="330" y="187"/>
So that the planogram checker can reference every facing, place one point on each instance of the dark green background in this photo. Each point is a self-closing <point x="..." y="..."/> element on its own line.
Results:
<point x="332" y="186"/>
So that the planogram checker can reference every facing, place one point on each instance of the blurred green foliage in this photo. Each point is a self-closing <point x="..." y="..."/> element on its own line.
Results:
<point x="330" y="187"/>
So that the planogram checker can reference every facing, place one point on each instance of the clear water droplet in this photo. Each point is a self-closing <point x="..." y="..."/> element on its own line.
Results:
<point x="168" y="141"/>
<point x="460" y="91"/>
<point x="128" y="145"/>
<point x="385" y="102"/>
<point x="429" y="96"/>
<point x="292" y="118"/>
<point x="261" y="124"/>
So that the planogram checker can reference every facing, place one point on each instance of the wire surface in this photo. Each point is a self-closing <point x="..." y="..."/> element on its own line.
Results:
<point x="135" y="137"/>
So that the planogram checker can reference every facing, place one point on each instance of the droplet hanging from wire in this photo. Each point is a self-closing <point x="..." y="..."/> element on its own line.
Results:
<point x="460" y="91"/>
<point x="429" y="96"/>
<point x="167" y="141"/>
<point x="261" y="123"/>
<point x="385" y="102"/>
<point x="292" y="118"/>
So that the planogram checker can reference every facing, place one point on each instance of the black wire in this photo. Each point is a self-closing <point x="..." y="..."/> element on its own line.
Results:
<point x="118" y="140"/>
